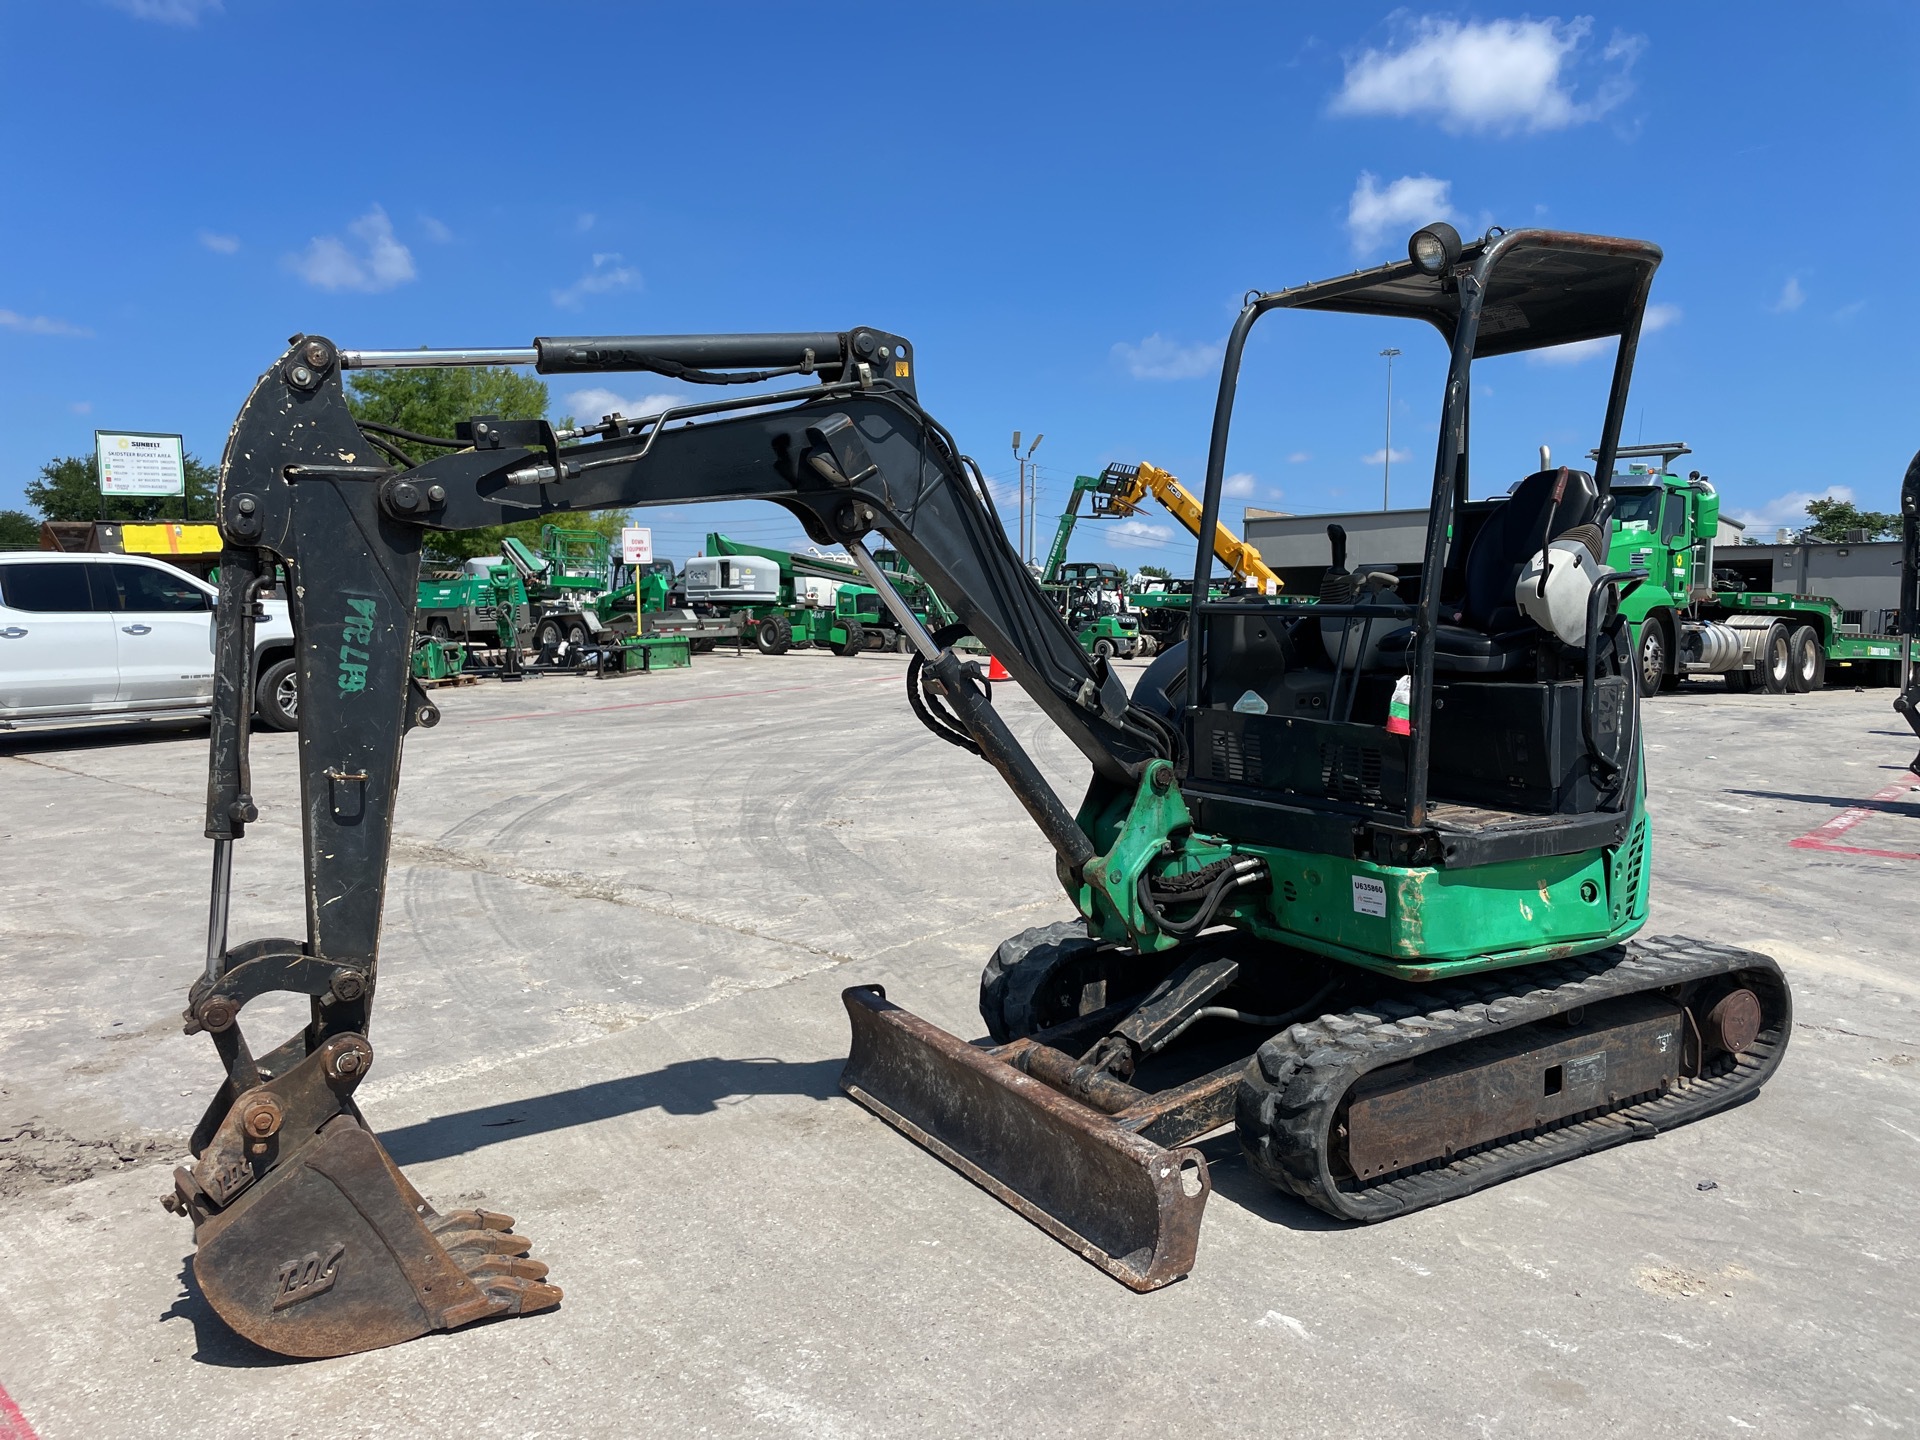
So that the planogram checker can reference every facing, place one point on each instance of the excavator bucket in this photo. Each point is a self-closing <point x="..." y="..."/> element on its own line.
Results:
<point x="1128" y="1205"/>
<point x="311" y="1243"/>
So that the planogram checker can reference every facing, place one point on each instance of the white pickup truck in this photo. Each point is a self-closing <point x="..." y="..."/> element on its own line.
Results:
<point x="121" y="637"/>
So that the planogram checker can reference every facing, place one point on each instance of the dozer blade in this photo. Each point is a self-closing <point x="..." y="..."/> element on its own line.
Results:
<point x="1128" y="1205"/>
<point x="311" y="1243"/>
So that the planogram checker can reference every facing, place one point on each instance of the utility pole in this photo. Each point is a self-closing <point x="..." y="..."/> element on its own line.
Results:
<point x="1024" y="540"/>
<point x="1386" y="463"/>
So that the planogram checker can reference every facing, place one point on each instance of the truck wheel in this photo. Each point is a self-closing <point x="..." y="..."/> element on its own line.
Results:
<point x="774" y="635"/>
<point x="1739" y="682"/>
<point x="902" y="645"/>
<point x="1775" y="661"/>
<point x="577" y="636"/>
<point x="548" y="636"/>
<point x="1103" y="649"/>
<point x="278" y="695"/>
<point x="1809" y="670"/>
<point x="856" y="638"/>
<point x="439" y="629"/>
<point x="1653" y="656"/>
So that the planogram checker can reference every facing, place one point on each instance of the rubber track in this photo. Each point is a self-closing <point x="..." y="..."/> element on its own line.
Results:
<point x="1292" y="1091"/>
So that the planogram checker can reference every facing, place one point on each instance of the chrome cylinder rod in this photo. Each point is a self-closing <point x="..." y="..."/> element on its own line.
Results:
<point x="217" y="909"/>
<point x="908" y="622"/>
<point x="419" y="359"/>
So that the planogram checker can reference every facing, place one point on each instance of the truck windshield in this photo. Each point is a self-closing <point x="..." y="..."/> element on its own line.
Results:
<point x="1642" y="505"/>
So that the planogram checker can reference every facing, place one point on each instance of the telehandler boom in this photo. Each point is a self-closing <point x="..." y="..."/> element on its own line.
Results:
<point x="1371" y="917"/>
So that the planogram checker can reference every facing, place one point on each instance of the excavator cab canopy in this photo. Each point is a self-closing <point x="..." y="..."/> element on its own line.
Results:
<point x="1344" y="716"/>
<point x="1548" y="288"/>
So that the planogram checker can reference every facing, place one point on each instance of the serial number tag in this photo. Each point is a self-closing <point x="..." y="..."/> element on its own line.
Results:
<point x="1369" y="896"/>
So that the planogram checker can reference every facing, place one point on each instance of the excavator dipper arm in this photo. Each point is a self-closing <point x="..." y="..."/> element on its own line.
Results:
<point x="310" y="1242"/>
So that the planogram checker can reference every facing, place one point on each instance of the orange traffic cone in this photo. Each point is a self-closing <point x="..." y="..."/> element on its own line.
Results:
<point x="995" y="670"/>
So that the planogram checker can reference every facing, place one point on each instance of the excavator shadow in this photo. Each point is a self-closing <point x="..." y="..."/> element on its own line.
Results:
<point x="1233" y="1179"/>
<point x="1904" y="809"/>
<point x="686" y="1087"/>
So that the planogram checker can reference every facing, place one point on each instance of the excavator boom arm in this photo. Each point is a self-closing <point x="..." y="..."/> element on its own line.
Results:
<point x="310" y="1242"/>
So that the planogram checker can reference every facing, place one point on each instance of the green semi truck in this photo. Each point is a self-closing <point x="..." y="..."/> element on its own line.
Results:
<point x="1692" y="616"/>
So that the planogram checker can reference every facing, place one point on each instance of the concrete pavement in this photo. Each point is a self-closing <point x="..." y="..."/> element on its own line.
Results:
<point x="618" y="922"/>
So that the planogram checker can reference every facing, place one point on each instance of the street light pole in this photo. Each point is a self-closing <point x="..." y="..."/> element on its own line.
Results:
<point x="1020" y="502"/>
<point x="1023" y="541"/>
<point x="1386" y="462"/>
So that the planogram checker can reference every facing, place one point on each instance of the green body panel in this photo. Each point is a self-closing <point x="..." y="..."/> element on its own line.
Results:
<point x="1122" y="631"/>
<point x="1420" y="924"/>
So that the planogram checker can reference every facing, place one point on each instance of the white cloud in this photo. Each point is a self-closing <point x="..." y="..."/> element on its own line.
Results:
<point x="591" y="405"/>
<point x="40" y="325"/>
<point x="1158" y="358"/>
<point x="220" y="244"/>
<point x="585" y="221"/>
<point x="380" y="262"/>
<point x="436" y="230"/>
<point x="1659" y="317"/>
<point x="1850" y="309"/>
<point x="1499" y="76"/>
<point x="606" y="276"/>
<point x="1788" y="511"/>
<point x="1409" y="202"/>
<point x="1298" y="457"/>
<point x="1792" y="297"/>
<point x="1005" y="493"/>
<point x="1578" y="353"/>
<point x="1379" y="457"/>
<point x="81" y="407"/>
<point x="1238" y="486"/>
<point x="1137" y="532"/>
<point x="168" y="12"/>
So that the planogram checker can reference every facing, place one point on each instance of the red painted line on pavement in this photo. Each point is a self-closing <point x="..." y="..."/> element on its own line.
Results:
<point x="679" y="700"/>
<point x="1822" y="837"/>
<point x="13" y="1425"/>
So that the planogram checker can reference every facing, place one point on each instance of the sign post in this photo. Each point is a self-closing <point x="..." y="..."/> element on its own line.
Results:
<point x="636" y="549"/>
<point x="136" y="462"/>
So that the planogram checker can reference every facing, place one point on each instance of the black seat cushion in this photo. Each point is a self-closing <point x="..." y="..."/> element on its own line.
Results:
<point x="1458" y="650"/>
<point x="1508" y="539"/>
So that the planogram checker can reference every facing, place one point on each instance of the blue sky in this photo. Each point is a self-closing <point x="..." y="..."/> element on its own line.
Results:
<point x="1061" y="205"/>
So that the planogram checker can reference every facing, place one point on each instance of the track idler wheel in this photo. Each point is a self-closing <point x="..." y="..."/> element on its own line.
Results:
<point x="311" y="1242"/>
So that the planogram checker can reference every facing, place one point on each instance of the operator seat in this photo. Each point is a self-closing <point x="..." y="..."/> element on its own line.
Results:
<point x="1484" y="633"/>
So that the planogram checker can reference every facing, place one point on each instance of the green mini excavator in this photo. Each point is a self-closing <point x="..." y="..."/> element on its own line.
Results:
<point x="1355" y="880"/>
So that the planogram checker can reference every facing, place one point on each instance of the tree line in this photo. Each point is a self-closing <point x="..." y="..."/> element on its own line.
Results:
<point x="425" y="401"/>
<point x="432" y="401"/>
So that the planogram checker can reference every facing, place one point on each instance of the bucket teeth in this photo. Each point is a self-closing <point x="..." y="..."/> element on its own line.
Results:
<point x="469" y="1220"/>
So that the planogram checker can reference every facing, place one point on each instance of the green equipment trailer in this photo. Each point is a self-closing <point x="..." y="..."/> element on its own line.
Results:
<point x="1692" y="616"/>
<point x="780" y="611"/>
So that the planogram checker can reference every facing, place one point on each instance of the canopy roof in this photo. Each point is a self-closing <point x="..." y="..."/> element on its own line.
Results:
<point x="1547" y="287"/>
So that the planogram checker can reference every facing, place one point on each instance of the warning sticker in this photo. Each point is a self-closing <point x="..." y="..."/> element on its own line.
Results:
<point x="1369" y="896"/>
